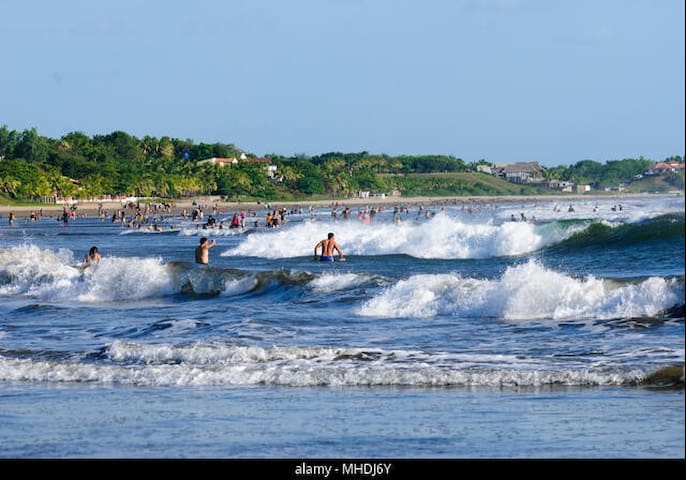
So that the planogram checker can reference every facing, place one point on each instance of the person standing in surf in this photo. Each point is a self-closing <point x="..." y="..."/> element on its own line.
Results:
<point x="92" y="257"/>
<point x="328" y="246"/>
<point x="202" y="251"/>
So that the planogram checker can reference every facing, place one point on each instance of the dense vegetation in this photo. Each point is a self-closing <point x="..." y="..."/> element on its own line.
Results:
<point x="33" y="166"/>
<point x="464" y="183"/>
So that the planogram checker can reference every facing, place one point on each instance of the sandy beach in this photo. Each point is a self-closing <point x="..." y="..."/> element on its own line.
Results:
<point x="91" y="207"/>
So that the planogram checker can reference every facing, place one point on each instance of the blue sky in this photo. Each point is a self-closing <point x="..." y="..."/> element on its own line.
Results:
<point x="553" y="81"/>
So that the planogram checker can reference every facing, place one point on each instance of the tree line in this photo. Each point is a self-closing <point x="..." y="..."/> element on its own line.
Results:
<point x="76" y="165"/>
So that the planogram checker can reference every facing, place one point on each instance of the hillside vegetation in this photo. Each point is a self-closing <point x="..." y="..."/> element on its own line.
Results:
<point x="34" y="167"/>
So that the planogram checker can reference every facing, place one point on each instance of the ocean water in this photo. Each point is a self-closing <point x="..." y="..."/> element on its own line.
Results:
<point x="457" y="333"/>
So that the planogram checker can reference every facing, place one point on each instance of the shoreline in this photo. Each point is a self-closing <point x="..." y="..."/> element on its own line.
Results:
<point x="187" y="203"/>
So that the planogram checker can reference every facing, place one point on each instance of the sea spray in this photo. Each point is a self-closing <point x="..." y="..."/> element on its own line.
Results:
<point x="332" y="282"/>
<point x="442" y="237"/>
<point x="528" y="291"/>
<point x="35" y="271"/>
<point x="55" y="276"/>
<point x="197" y="365"/>
<point x="127" y="279"/>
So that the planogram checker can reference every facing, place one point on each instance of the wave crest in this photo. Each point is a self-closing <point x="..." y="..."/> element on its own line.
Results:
<point x="526" y="291"/>
<point x="217" y="364"/>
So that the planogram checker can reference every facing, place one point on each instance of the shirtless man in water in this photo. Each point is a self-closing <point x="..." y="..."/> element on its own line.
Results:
<point x="202" y="251"/>
<point x="328" y="245"/>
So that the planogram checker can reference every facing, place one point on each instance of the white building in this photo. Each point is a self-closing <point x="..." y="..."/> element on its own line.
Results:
<point x="222" y="162"/>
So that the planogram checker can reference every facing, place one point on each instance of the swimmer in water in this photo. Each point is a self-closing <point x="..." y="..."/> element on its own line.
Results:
<point x="328" y="246"/>
<point x="92" y="257"/>
<point x="202" y="251"/>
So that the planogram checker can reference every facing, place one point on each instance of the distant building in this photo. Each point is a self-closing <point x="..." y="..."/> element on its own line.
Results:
<point x="664" y="167"/>
<point x="484" y="169"/>
<point x="522" y="172"/>
<point x="222" y="162"/>
<point x="561" y="185"/>
<point x="583" y="188"/>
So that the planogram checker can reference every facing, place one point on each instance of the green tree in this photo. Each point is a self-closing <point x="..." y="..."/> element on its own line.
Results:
<point x="555" y="173"/>
<point x="32" y="146"/>
<point x="94" y="185"/>
<point x="585" y="171"/>
<point x="124" y="145"/>
<point x="335" y="176"/>
<point x="149" y="146"/>
<point x="166" y="148"/>
<point x="201" y="152"/>
<point x="144" y="186"/>
<point x="368" y="181"/>
<point x="9" y="186"/>
<point x="288" y="173"/>
<point x="310" y="181"/>
<point x="76" y="144"/>
<point x="395" y="166"/>
<point x="8" y="142"/>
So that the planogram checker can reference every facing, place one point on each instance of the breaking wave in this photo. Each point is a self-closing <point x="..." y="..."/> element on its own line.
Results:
<point x="528" y="291"/>
<point x="221" y="364"/>
<point x="446" y="237"/>
<point x="51" y="276"/>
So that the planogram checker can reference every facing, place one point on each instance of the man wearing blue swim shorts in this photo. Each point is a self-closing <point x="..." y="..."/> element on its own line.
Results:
<point x="328" y="245"/>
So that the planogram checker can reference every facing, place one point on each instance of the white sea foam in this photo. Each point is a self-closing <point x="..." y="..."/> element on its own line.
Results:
<point x="222" y="354"/>
<point x="32" y="270"/>
<point x="296" y="366"/>
<point x="178" y="326"/>
<point x="441" y="237"/>
<point x="633" y="210"/>
<point x="212" y="232"/>
<point x="126" y="279"/>
<point x="47" y="275"/>
<point x="239" y="286"/>
<point x="451" y="234"/>
<point x="524" y="292"/>
<point x="217" y="363"/>
<point x="333" y="282"/>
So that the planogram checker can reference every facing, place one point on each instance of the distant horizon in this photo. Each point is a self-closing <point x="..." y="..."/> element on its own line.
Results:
<point x="503" y="80"/>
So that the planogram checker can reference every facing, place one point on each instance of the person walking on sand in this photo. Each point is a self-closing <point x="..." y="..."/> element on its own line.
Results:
<point x="202" y="251"/>
<point x="328" y="246"/>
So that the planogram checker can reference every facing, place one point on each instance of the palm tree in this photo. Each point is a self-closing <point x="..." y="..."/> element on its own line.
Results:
<point x="289" y="174"/>
<point x="9" y="185"/>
